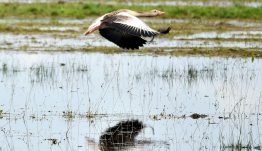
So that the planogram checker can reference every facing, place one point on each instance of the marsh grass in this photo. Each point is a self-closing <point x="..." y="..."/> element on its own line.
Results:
<point x="16" y="28"/>
<point x="68" y="115"/>
<point x="164" y="115"/>
<point x="54" y="141"/>
<point x="8" y="70"/>
<point x="40" y="73"/>
<point x="1" y="113"/>
<point x="238" y="146"/>
<point x="82" y="68"/>
<point x="81" y="10"/>
<point x="192" y="74"/>
<point x="226" y="52"/>
<point x="197" y="51"/>
<point x="4" y="68"/>
<point x="186" y="27"/>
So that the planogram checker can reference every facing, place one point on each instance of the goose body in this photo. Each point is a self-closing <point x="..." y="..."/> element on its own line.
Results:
<point x="125" y="29"/>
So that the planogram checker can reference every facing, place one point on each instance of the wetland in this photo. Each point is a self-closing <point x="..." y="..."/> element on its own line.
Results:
<point x="197" y="88"/>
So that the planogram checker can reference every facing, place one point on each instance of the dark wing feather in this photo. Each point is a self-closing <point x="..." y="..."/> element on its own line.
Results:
<point x="122" y="39"/>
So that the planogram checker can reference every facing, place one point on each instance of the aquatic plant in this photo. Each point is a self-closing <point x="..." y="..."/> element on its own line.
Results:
<point x="68" y="114"/>
<point x="1" y="114"/>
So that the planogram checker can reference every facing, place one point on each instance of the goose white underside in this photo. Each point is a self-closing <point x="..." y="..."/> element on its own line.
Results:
<point x="134" y="24"/>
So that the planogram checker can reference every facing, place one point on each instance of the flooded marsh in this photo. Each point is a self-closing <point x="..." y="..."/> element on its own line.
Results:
<point x="197" y="88"/>
<point x="67" y="34"/>
<point x="66" y="100"/>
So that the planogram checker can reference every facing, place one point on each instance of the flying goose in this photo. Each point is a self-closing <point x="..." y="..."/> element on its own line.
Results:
<point x="123" y="28"/>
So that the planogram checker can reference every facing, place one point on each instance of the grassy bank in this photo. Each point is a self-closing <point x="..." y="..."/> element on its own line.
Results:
<point x="83" y="10"/>
<point x="208" y="52"/>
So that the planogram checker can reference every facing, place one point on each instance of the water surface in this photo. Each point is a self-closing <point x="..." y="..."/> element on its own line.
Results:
<point x="65" y="100"/>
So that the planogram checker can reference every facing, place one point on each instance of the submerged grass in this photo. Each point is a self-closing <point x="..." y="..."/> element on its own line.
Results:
<point x="82" y="10"/>
<point x="1" y="114"/>
<point x="68" y="114"/>
<point x="238" y="146"/>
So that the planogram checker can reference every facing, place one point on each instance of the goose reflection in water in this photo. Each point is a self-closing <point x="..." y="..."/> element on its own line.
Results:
<point x="122" y="137"/>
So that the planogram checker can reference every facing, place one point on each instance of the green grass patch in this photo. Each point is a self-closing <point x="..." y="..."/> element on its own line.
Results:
<point x="83" y="10"/>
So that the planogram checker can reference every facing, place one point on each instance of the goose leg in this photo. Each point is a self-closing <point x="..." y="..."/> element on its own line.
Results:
<point x="152" y="39"/>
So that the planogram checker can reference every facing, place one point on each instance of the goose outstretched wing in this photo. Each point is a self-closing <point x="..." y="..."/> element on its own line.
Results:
<point x="125" y="22"/>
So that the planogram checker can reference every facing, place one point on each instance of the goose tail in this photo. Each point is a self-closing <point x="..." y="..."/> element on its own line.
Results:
<point x="164" y="30"/>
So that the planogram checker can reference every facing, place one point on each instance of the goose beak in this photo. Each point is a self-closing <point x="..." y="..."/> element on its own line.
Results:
<point x="161" y="13"/>
<point x="87" y="32"/>
<point x="91" y="29"/>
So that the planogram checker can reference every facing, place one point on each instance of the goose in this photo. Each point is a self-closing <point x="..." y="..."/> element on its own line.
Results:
<point x="125" y="29"/>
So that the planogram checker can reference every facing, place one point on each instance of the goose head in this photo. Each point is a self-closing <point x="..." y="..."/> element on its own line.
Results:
<point x="155" y="12"/>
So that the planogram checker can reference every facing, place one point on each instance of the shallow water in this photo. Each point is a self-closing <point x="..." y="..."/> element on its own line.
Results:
<point x="39" y="90"/>
<point x="224" y="35"/>
<point x="62" y="41"/>
<point x="67" y="34"/>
